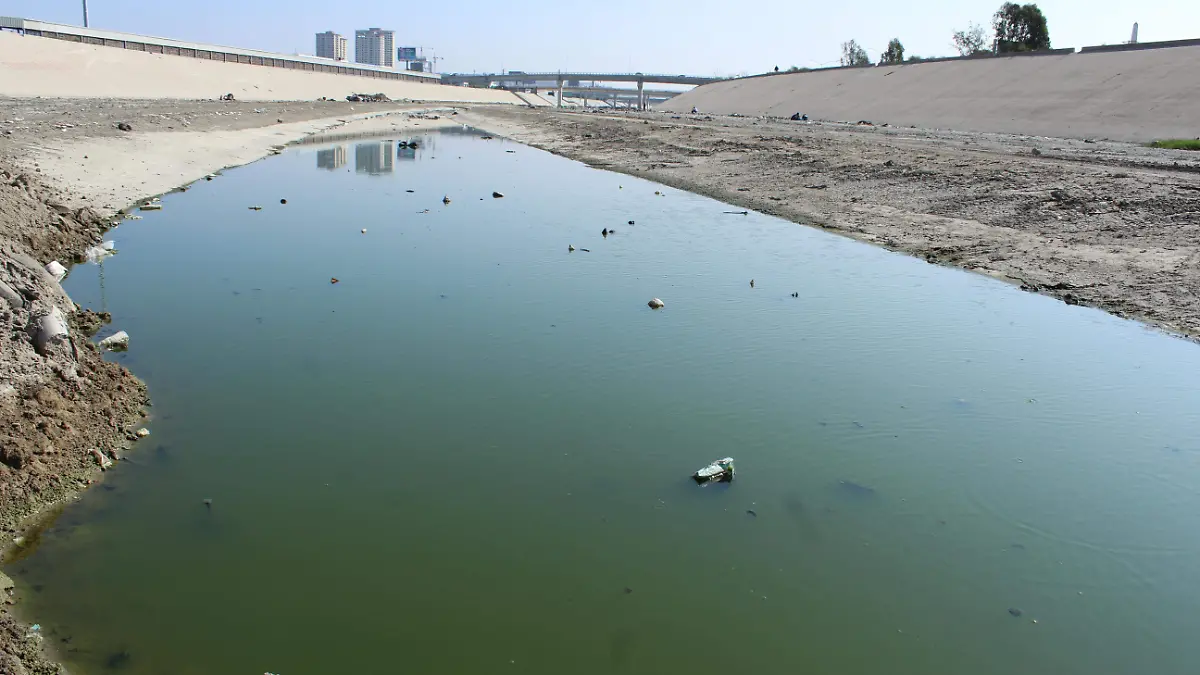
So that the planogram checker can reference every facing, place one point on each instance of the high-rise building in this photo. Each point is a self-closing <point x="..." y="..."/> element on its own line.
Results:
<point x="375" y="46"/>
<point x="330" y="45"/>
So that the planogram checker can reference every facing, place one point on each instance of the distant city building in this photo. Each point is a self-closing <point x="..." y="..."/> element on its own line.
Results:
<point x="332" y="158"/>
<point x="375" y="46"/>
<point x="330" y="45"/>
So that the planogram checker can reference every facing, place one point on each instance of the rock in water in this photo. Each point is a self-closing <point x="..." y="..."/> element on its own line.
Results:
<point x="655" y="303"/>
<point x="118" y="341"/>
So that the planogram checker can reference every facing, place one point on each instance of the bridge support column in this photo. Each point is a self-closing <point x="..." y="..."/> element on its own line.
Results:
<point x="560" y="88"/>
<point x="641" y="95"/>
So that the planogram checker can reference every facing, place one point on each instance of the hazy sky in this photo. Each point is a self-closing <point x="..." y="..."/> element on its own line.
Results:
<point x="702" y="37"/>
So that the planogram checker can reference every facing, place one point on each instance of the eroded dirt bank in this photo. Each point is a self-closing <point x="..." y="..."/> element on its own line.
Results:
<point x="1110" y="225"/>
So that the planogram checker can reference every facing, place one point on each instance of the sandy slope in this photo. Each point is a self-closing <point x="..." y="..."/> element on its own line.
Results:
<point x="1129" y="96"/>
<point x="36" y="66"/>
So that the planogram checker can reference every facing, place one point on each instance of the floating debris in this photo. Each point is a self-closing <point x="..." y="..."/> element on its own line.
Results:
<point x="796" y="295"/>
<point x="856" y="489"/>
<point x="117" y="342"/>
<point x="142" y="433"/>
<point x="333" y="280"/>
<point x="1014" y="611"/>
<point x="604" y="232"/>
<point x="255" y="208"/>
<point x="570" y="248"/>
<point x="738" y="213"/>
<point x="151" y="206"/>
<point x="497" y="195"/>
<point x="631" y="222"/>
<point x="364" y="230"/>
<point x="282" y="201"/>
<point x="445" y="200"/>
<point x="751" y="283"/>
<point x="655" y="303"/>
<point x="752" y="513"/>
<point x="720" y="471"/>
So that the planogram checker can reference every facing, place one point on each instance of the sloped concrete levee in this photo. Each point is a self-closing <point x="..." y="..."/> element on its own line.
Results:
<point x="1129" y="95"/>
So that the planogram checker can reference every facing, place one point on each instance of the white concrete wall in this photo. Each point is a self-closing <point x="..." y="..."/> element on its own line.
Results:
<point x="1132" y="96"/>
<point x="37" y="66"/>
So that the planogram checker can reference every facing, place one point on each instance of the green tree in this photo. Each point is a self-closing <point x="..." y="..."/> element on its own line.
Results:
<point x="853" y="55"/>
<point x="971" y="41"/>
<point x="1020" y="28"/>
<point x="893" y="54"/>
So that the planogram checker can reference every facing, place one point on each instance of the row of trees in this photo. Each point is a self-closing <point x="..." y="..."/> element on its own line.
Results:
<point x="1017" y="28"/>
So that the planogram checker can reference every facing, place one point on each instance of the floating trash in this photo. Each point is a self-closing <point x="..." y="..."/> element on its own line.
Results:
<point x="117" y="342"/>
<point x="655" y="303"/>
<point x="720" y="471"/>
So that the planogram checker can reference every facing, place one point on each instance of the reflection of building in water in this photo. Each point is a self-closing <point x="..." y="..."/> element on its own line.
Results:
<point x="331" y="158"/>
<point x="373" y="158"/>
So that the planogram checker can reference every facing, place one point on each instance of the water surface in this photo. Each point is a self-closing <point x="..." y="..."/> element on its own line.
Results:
<point x="472" y="453"/>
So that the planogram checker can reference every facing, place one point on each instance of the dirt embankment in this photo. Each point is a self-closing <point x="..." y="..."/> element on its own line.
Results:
<point x="1109" y="225"/>
<point x="65" y="167"/>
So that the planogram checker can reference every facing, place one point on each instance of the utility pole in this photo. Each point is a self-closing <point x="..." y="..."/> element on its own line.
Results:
<point x="85" y="19"/>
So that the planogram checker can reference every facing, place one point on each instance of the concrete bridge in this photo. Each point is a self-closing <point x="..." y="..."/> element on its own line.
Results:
<point x="517" y="79"/>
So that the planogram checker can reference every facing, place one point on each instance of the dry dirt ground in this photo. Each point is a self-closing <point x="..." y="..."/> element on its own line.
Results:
<point x="61" y="402"/>
<point x="1110" y="225"/>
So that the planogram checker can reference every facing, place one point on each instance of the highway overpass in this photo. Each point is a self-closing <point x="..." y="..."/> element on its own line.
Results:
<point x="522" y="80"/>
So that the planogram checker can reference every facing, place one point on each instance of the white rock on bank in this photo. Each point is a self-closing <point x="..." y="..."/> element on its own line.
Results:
<point x="51" y="329"/>
<point x="101" y="459"/>
<point x="56" y="270"/>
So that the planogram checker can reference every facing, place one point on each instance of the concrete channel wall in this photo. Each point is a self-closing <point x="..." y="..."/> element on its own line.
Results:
<point x="40" y="59"/>
<point x="1130" y="93"/>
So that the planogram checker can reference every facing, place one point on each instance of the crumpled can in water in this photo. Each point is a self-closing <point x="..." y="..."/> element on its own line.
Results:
<point x="720" y="471"/>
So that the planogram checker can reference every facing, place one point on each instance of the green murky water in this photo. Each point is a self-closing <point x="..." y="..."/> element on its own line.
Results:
<point x="472" y="454"/>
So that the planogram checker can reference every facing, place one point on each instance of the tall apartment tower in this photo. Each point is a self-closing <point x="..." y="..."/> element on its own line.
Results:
<point x="375" y="46"/>
<point x="330" y="45"/>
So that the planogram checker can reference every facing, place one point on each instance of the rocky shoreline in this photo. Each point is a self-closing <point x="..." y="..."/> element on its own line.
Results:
<point x="61" y="404"/>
